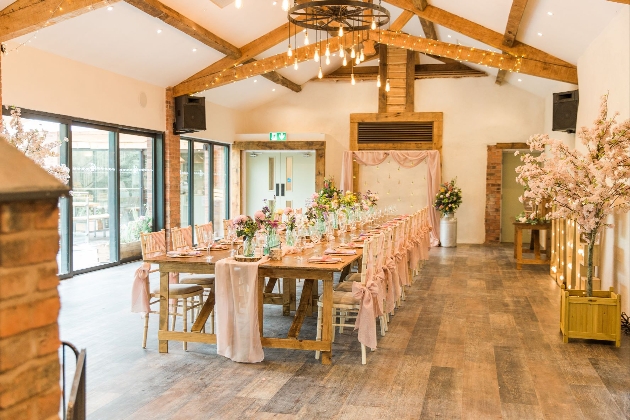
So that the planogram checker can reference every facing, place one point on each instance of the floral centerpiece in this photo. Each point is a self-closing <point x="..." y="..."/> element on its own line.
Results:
<point x="587" y="187"/>
<point x="290" y="223"/>
<point x="35" y="145"/>
<point x="448" y="198"/>
<point x="371" y="198"/>
<point x="267" y="219"/>
<point x="246" y="227"/>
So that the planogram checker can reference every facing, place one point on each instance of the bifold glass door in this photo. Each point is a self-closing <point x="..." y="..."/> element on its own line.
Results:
<point x="204" y="184"/>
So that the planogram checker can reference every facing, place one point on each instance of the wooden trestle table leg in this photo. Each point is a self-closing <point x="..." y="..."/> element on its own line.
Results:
<point x="300" y="314"/>
<point x="163" y="344"/>
<point x="327" y="308"/>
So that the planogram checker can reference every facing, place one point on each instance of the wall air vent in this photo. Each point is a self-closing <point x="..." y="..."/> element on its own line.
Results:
<point x="387" y="132"/>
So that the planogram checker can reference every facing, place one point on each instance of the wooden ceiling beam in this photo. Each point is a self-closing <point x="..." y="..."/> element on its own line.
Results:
<point x="195" y="82"/>
<point x="422" y="71"/>
<point x="401" y="21"/>
<point x="427" y="26"/>
<point x="621" y="1"/>
<point x="279" y="79"/>
<point x="259" y="67"/>
<point x="26" y="16"/>
<point x="178" y="21"/>
<point x="524" y="65"/>
<point x="511" y="29"/>
<point x="478" y="32"/>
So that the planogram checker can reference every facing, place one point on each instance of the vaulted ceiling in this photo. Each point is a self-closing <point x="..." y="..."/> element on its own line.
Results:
<point x="126" y="40"/>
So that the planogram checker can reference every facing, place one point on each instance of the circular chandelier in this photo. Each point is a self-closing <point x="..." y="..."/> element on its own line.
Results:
<point x="335" y="18"/>
<point x="338" y="15"/>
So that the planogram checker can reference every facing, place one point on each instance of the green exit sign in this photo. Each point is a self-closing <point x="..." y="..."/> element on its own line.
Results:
<point x="278" y="136"/>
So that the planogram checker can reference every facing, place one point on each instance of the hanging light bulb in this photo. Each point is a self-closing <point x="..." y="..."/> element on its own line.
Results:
<point x="327" y="61"/>
<point x="345" y="62"/>
<point x="352" y="53"/>
<point x="378" y="81"/>
<point x="316" y="56"/>
<point x="362" y="55"/>
<point x="327" y="53"/>
<point x="295" y="64"/>
<point x="340" y="30"/>
<point x="238" y="4"/>
<point x="342" y="52"/>
<point x="373" y="24"/>
<point x="320" y="74"/>
<point x="285" y="5"/>
<point x="352" y="79"/>
<point x="290" y="51"/>
<point x="305" y="37"/>
<point x="357" y="60"/>
<point x="387" y="85"/>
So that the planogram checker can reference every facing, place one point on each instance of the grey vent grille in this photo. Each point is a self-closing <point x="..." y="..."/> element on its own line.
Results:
<point x="386" y="132"/>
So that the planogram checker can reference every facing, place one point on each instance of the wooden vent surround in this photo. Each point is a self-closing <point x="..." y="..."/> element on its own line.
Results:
<point x="399" y="132"/>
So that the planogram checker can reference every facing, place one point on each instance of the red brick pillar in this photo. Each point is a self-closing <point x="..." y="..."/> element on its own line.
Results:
<point x="172" y="167"/>
<point x="493" y="195"/>
<point x="29" y="306"/>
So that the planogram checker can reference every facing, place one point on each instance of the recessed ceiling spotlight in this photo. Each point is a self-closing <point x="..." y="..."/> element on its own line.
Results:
<point x="255" y="80"/>
<point x="110" y="8"/>
<point x="159" y="31"/>
<point x="274" y="3"/>
<point x="449" y="36"/>
<point x="550" y="13"/>
<point x="194" y="49"/>
<point x="273" y="90"/>
<point x="520" y="80"/>
<point x="539" y="33"/>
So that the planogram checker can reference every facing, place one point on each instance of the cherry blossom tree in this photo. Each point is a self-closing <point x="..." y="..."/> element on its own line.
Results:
<point x="35" y="145"/>
<point x="587" y="187"/>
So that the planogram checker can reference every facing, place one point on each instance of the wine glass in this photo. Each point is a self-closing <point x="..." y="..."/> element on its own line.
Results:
<point x="208" y="240"/>
<point x="316" y="235"/>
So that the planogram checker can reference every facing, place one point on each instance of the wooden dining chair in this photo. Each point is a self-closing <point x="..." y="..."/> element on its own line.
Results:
<point x="346" y="306"/>
<point x="154" y="245"/>
<point x="182" y="241"/>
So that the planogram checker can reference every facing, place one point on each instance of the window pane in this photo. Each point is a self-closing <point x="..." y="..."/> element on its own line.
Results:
<point x="93" y="195"/>
<point x="136" y="192"/>
<point x="53" y="133"/>
<point x="183" y="186"/>
<point x="220" y="199"/>
<point x="201" y="184"/>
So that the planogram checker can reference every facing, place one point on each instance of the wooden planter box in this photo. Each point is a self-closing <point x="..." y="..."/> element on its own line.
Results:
<point x="596" y="318"/>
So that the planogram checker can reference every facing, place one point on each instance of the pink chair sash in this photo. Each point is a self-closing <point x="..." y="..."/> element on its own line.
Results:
<point x="366" y="319"/>
<point x="393" y="283"/>
<point x="238" y="333"/>
<point x="140" y="294"/>
<point x="401" y="264"/>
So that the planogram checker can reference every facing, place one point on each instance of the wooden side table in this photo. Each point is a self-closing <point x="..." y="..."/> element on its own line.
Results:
<point x="534" y="244"/>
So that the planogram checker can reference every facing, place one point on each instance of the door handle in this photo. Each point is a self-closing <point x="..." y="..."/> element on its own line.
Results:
<point x="282" y="190"/>
<point x="277" y="190"/>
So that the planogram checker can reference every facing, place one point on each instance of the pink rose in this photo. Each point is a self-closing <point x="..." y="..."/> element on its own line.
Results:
<point x="288" y="210"/>
<point x="259" y="215"/>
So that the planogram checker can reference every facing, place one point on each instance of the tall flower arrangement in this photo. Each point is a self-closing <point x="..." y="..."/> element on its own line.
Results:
<point x="35" y="145"/>
<point x="449" y="198"/>
<point x="587" y="187"/>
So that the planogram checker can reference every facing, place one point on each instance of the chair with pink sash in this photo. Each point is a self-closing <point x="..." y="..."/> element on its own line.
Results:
<point x="361" y="304"/>
<point x="142" y="296"/>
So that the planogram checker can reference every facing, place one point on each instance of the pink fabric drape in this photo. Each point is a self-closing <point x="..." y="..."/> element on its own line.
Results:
<point x="406" y="159"/>
<point x="140" y="293"/>
<point x="236" y="291"/>
<point x="366" y="319"/>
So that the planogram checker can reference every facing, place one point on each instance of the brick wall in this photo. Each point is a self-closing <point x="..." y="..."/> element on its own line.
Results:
<point x="171" y="176"/>
<point x="493" y="195"/>
<point x="29" y="306"/>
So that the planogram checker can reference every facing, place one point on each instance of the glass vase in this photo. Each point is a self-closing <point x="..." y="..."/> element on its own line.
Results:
<point x="248" y="247"/>
<point x="290" y="238"/>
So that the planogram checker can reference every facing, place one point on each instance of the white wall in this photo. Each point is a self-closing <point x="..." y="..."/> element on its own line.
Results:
<point x="41" y="81"/>
<point x="477" y="113"/>
<point x="221" y="124"/>
<point x="605" y="67"/>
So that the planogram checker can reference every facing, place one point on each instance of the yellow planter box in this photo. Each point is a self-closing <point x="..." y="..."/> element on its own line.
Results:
<point x="596" y="318"/>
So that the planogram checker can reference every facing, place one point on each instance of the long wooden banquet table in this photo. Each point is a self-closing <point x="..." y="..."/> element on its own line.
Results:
<point x="288" y="268"/>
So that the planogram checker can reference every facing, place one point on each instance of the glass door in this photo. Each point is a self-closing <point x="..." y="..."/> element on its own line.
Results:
<point x="136" y="192"/>
<point x="94" y="197"/>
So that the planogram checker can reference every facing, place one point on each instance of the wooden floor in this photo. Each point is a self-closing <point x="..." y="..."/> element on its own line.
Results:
<point x="475" y="339"/>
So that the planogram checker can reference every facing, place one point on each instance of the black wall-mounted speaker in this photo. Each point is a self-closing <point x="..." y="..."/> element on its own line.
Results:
<point x="190" y="114"/>
<point x="565" y="108"/>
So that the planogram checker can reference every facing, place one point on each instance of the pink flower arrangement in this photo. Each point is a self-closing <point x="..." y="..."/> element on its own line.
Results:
<point x="587" y="187"/>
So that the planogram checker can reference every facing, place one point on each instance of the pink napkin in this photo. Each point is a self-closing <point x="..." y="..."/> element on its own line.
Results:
<point x="340" y="251"/>
<point x="324" y="258"/>
<point x="286" y="250"/>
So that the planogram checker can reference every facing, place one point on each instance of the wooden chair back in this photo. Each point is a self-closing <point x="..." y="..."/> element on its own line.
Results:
<point x="181" y="238"/>
<point x="200" y="229"/>
<point x="153" y="244"/>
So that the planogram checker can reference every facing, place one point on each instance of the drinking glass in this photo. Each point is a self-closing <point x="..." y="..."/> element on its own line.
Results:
<point x="316" y="235"/>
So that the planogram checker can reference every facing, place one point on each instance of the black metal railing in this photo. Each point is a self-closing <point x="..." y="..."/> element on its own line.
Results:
<point x="75" y="409"/>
